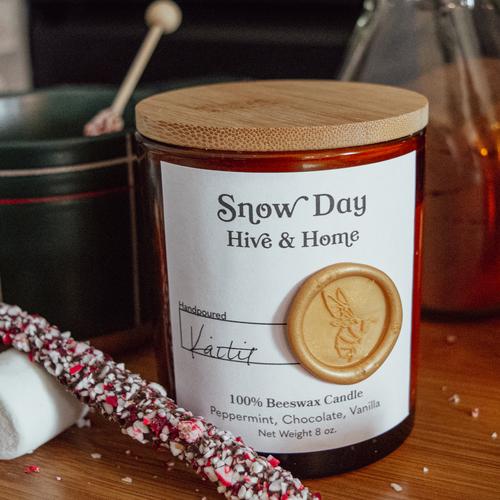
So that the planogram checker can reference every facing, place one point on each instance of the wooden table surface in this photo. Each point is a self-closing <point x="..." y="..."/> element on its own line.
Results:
<point x="459" y="452"/>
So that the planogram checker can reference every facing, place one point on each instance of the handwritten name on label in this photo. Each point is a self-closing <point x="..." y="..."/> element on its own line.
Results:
<point x="201" y="345"/>
<point x="223" y="339"/>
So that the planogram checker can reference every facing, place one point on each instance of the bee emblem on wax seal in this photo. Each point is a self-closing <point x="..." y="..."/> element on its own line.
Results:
<point x="344" y="322"/>
<point x="351" y="329"/>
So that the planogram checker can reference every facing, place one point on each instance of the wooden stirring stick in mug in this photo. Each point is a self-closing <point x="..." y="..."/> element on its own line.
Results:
<point x="162" y="17"/>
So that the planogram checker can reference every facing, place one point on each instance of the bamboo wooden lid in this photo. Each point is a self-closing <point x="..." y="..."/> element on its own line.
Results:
<point x="281" y="115"/>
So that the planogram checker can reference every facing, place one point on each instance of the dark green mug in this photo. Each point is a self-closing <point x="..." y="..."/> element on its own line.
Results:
<point x="69" y="245"/>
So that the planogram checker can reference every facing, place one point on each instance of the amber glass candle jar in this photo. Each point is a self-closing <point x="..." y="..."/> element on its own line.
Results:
<point x="285" y="221"/>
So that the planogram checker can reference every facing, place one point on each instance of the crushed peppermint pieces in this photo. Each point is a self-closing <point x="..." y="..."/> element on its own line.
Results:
<point x="146" y="414"/>
<point x="396" y="487"/>
<point x="451" y="339"/>
<point x="127" y="479"/>
<point x="95" y="455"/>
<point x="494" y="435"/>
<point x="83" y="422"/>
<point x="31" y="469"/>
<point x="59" y="478"/>
<point x="475" y="412"/>
<point x="75" y="369"/>
<point x="454" y="399"/>
<point x="425" y="469"/>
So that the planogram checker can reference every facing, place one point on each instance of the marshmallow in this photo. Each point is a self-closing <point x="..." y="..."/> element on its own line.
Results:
<point x="34" y="406"/>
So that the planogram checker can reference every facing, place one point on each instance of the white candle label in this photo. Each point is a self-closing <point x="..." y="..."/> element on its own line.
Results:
<point x="239" y="247"/>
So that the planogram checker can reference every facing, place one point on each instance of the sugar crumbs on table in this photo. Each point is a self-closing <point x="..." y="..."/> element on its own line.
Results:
<point x="454" y="399"/>
<point x="475" y="412"/>
<point x="494" y="435"/>
<point x="32" y="468"/>
<point x="396" y="487"/>
<point x="95" y="455"/>
<point x="83" y="422"/>
<point x="127" y="479"/>
<point x="425" y="469"/>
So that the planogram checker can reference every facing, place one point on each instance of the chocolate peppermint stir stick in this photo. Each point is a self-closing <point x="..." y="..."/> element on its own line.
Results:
<point x="145" y="413"/>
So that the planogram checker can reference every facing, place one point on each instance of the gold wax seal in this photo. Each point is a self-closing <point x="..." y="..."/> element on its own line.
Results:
<point x="344" y="322"/>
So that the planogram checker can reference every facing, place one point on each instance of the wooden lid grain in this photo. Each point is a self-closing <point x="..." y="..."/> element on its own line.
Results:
<point x="281" y="115"/>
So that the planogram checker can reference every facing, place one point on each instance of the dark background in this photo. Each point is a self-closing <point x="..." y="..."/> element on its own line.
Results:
<point x="95" y="41"/>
